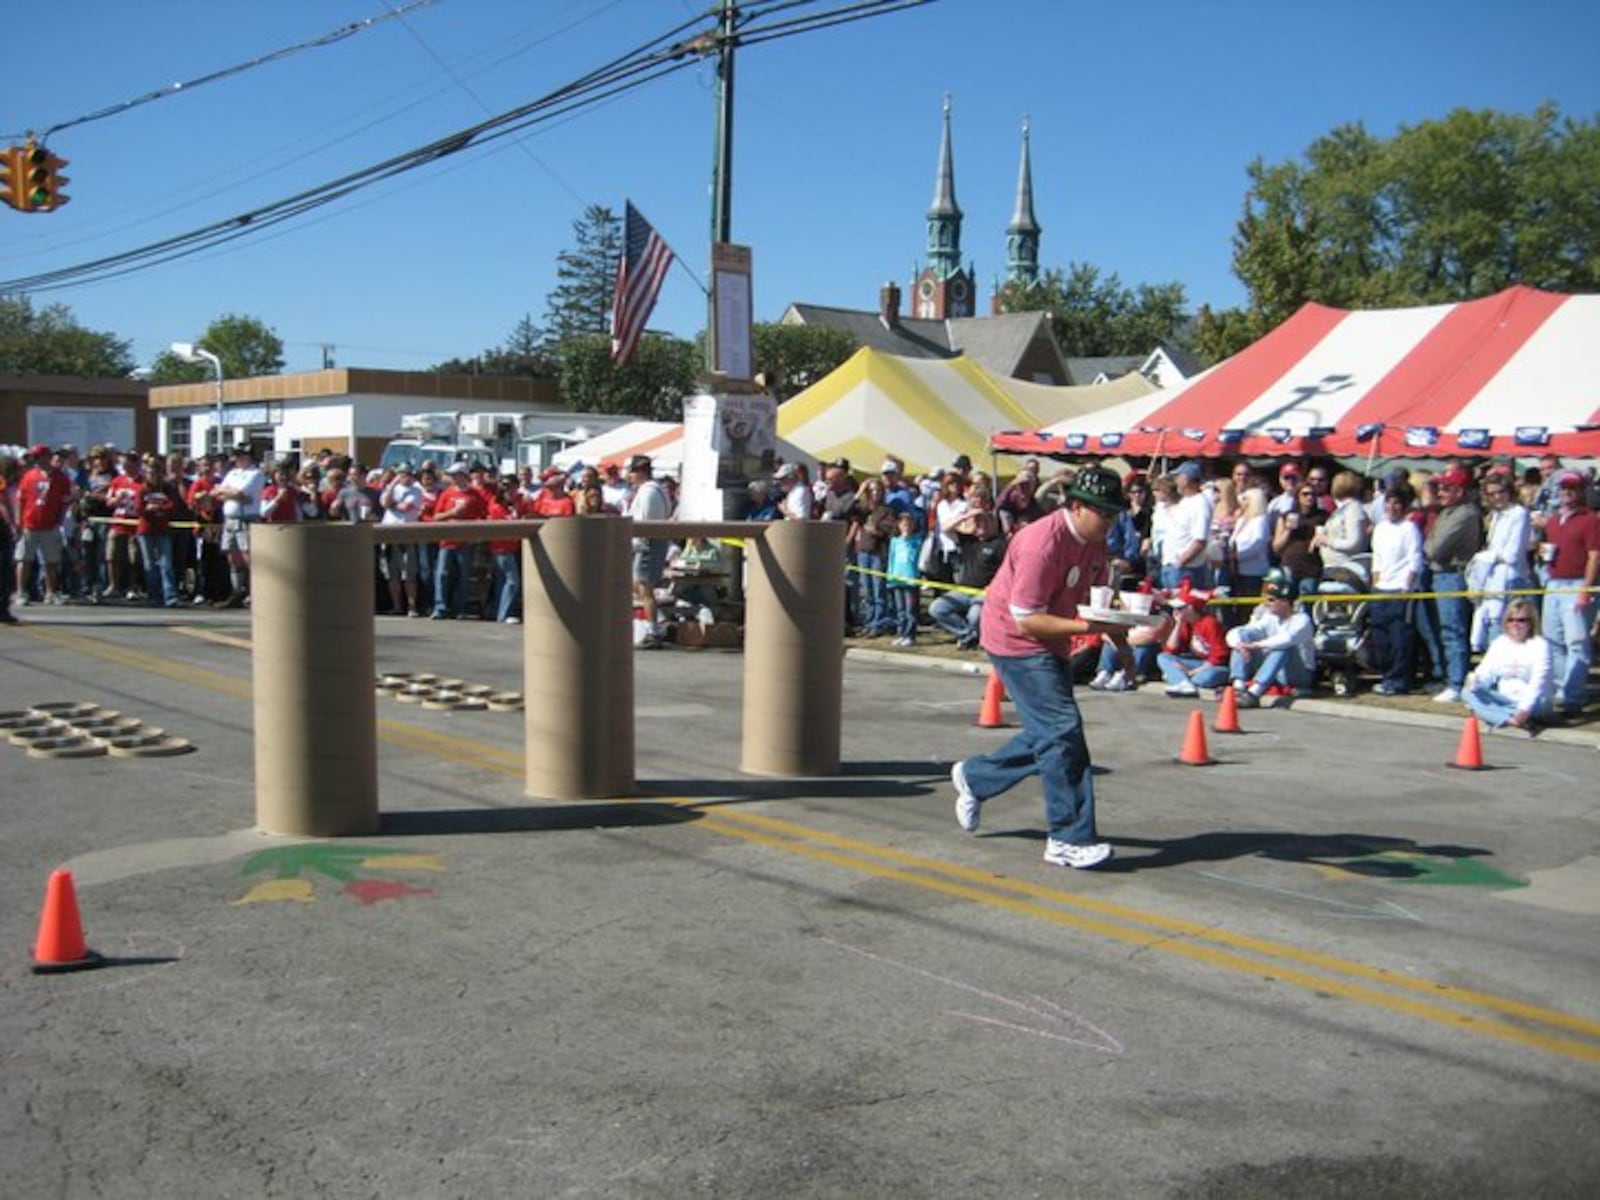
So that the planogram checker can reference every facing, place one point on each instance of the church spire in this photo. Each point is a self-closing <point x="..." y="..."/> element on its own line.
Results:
<point x="1022" y="235"/>
<point x="944" y="214"/>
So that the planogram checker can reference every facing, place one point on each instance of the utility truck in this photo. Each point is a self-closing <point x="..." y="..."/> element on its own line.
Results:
<point x="502" y="441"/>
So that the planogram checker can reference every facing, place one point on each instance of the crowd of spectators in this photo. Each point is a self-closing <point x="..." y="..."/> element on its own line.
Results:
<point x="1232" y="548"/>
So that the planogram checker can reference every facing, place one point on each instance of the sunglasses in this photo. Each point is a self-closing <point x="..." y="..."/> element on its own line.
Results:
<point x="1519" y="621"/>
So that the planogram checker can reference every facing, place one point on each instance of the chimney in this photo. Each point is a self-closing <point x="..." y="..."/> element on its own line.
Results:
<point x="889" y="304"/>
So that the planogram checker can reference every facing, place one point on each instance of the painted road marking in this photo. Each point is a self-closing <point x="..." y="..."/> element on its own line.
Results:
<point x="1214" y="946"/>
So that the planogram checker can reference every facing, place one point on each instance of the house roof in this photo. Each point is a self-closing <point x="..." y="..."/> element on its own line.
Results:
<point x="998" y="343"/>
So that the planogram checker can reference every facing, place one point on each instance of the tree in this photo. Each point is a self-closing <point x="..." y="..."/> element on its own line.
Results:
<point x="793" y="357"/>
<point x="1094" y="315"/>
<point x="244" y="345"/>
<point x="1446" y="210"/>
<point x="523" y="354"/>
<point x="587" y="277"/>
<point x="51" y="342"/>
<point x="651" y="384"/>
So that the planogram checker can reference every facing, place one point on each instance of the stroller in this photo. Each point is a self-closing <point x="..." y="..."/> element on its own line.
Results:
<point x="1339" y="624"/>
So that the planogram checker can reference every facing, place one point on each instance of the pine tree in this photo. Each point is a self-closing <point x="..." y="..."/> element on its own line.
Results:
<point x="581" y="301"/>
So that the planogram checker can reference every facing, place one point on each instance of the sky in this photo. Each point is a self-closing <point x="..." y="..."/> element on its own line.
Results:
<point x="1144" y="119"/>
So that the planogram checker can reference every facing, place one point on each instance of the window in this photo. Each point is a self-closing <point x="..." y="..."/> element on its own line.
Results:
<point x="179" y="436"/>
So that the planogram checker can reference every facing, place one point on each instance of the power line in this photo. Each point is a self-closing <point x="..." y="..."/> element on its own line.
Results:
<point x="662" y="55"/>
<point x="173" y="89"/>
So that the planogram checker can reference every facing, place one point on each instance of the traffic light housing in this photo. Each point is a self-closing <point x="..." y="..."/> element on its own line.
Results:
<point x="11" y="187"/>
<point x="31" y="179"/>
<point x="44" y="178"/>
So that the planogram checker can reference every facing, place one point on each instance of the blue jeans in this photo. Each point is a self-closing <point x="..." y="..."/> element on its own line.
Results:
<point x="155" y="552"/>
<point x="1566" y="628"/>
<point x="1455" y="626"/>
<point x="1425" y="627"/>
<point x="1051" y="746"/>
<point x="450" y="580"/>
<point x="1197" y="576"/>
<point x="1391" y="630"/>
<point x="1269" y="667"/>
<point x="1144" y="659"/>
<point x="872" y="608"/>
<point x="508" y="585"/>
<point x="1178" y="669"/>
<point x="958" y="614"/>
<point x="903" y="602"/>
<point x="1493" y="707"/>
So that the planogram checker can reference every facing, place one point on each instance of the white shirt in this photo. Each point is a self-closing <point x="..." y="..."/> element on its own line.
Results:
<point x="1519" y="671"/>
<point x="1188" y="521"/>
<point x="249" y="482"/>
<point x="404" y="503"/>
<point x="1266" y="632"/>
<point x="1396" y="555"/>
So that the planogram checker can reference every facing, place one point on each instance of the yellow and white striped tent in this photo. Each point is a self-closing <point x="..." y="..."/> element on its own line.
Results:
<point x="925" y="412"/>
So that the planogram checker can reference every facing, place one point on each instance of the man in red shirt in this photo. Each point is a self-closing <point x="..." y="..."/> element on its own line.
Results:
<point x="43" y="493"/>
<point x="1573" y="532"/>
<point x="1031" y="613"/>
<point x="458" y="502"/>
<point x="553" y="499"/>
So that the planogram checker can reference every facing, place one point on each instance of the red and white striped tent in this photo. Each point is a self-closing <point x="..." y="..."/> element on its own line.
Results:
<point x="1513" y="373"/>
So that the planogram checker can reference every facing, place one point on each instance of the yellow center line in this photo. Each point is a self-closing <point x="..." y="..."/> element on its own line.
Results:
<point x="1221" y="948"/>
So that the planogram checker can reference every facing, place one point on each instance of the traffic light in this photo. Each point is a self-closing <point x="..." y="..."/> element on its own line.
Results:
<point x="11" y="188"/>
<point x="43" y="179"/>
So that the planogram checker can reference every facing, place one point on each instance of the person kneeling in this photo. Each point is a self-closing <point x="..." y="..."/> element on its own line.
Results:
<point x="1274" y="648"/>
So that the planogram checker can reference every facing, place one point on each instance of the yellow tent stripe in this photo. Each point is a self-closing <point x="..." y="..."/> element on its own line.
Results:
<point x="816" y="399"/>
<point x="984" y="383"/>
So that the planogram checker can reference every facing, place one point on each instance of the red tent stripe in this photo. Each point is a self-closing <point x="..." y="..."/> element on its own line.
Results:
<point x="1213" y="402"/>
<point x="1447" y="369"/>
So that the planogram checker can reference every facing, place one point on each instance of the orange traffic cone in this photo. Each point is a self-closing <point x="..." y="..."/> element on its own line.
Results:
<point x="1469" y="750"/>
<point x="1194" y="752"/>
<point x="60" y="946"/>
<point x="994" y="693"/>
<point x="1228" y="713"/>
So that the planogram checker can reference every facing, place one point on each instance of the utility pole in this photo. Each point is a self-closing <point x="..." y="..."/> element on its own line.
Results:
<point x="722" y="166"/>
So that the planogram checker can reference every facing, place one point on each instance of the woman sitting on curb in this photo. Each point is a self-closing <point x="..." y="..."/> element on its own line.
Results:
<point x="1513" y="686"/>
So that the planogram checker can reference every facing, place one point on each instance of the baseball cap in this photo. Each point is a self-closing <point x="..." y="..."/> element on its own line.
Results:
<point x="891" y="466"/>
<point x="40" y="451"/>
<point x="963" y="463"/>
<point x="1276" y="585"/>
<point x="1189" y="470"/>
<point x="459" y="468"/>
<point x="786" y="471"/>
<point x="1289" y="470"/>
<point x="639" y="462"/>
<point x="1454" y="477"/>
<point x="1099" y="488"/>
<point x="1569" y="479"/>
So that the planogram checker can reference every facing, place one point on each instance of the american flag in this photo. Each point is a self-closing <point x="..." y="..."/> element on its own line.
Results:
<point x="641" y="268"/>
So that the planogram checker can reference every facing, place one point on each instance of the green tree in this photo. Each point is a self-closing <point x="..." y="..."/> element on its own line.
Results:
<point x="1445" y="210"/>
<point x="793" y="357"/>
<point x="50" y="341"/>
<point x="523" y="354"/>
<point x="244" y="345"/>
<point x="1094" y="315"/>
<point x="651" y="384"/>
<point x="586" y="277"/>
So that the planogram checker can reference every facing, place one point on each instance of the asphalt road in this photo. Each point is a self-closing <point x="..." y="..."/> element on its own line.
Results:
<point x="1328" y="965"/>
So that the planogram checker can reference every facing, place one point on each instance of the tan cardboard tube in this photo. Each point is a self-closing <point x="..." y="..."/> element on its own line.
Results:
<point x="577" y="614"/>
<point x="311" y="619"/>
<point x="794" y="649"/>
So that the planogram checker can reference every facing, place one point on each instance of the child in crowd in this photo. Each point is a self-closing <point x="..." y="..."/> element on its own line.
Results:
<point x="905" y="548"/>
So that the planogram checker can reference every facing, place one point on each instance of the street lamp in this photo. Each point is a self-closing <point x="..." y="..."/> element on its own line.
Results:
<point x="190" y="353"/>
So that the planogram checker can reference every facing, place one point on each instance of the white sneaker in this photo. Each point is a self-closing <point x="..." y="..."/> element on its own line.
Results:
<point x="1183" y="689"/>
<point x="1098" y="683"/>
<point x="1119" y="683"/>
<point x="1450" y="695"/>
<point x="967" y="805"/>
<point x="1079" y="858"/>
<point x="513" y="620"/>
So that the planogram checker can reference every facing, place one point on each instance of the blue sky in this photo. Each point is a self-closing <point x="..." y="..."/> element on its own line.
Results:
<point x="1144" y="119"/>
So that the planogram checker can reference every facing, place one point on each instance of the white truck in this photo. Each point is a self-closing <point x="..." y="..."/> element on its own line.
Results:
<point x="504" y="441"/>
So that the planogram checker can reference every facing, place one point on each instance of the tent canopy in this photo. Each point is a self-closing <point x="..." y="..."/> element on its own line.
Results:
<point x="924" y="412"/>
<point x="1513" y="373"/>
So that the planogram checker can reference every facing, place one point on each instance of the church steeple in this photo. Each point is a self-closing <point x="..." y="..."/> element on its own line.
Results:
<point x="1022" y="235"/>
<point x="944" y="214"/>
<point x="943" y="289"/>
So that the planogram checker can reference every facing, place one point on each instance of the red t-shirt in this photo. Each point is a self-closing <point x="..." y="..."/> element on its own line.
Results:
<point x="548" y="504"/>
<point x="157" y="507"/>
<point x="499" y="512"/>
<point x="1575" y="538"/>
<point x="1047" y="568"/>
<point x="459" y="504"/>
<point x="200" y="501"/>
<point x="126" y="497"/>
<point x="42" y="497"/>
<point x="281" y="505"/>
